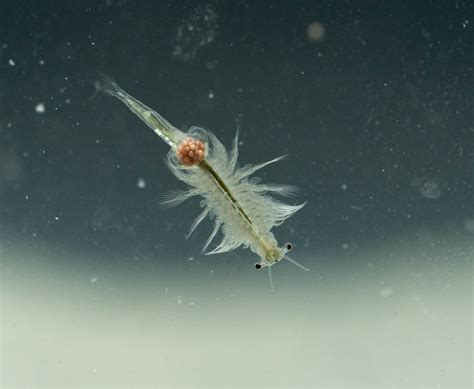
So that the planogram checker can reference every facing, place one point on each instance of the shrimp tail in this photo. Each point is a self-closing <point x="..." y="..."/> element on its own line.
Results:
<point x="108" y="86"/>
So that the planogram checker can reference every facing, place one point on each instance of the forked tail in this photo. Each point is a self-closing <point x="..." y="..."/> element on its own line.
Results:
<point x="107" y="85"/>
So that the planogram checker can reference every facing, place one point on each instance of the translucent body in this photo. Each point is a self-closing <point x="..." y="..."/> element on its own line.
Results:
<point x="241" y="207"/>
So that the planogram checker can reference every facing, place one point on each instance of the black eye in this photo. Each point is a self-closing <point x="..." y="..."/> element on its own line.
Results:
<point x="289" y="246"/>
<point x="258" y="266"/>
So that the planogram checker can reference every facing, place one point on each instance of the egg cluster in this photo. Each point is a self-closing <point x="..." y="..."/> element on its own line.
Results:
<point x="191" y="151"/>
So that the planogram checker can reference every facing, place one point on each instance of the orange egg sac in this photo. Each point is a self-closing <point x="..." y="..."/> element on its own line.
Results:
<point x="190" y="152"/>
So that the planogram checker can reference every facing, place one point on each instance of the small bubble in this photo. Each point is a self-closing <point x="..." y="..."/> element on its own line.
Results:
<point x="11" y="62"/>
<point x="430" y="190"/>
<point x="315" y="32"/>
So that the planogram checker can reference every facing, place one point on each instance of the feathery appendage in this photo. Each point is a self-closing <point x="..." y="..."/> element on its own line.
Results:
<point x="241" y="207"/>
<point x="253" y="200"/>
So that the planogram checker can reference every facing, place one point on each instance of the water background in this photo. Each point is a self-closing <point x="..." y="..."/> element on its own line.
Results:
<point x="372" y="100"/>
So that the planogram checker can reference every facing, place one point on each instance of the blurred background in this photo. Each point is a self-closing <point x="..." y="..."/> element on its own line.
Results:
<point x="373" y="102"/>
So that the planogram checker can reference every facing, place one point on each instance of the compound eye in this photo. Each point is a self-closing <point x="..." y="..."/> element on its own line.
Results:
<point x="258" y="266"/>
<point x="289" y="246"/>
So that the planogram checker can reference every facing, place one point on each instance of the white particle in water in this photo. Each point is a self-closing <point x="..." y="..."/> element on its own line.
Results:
<point x="40" y="108"/>
<point x="343" y="186"/>
<point x="211" y="95"/>
<point x="141" y="183"/>
<point x="386" y="292"/>
<point x="179" y="300"/>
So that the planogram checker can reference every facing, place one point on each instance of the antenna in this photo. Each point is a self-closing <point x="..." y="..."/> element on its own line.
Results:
<point x="270" y="278"/>
<point x="295" y="263"/>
